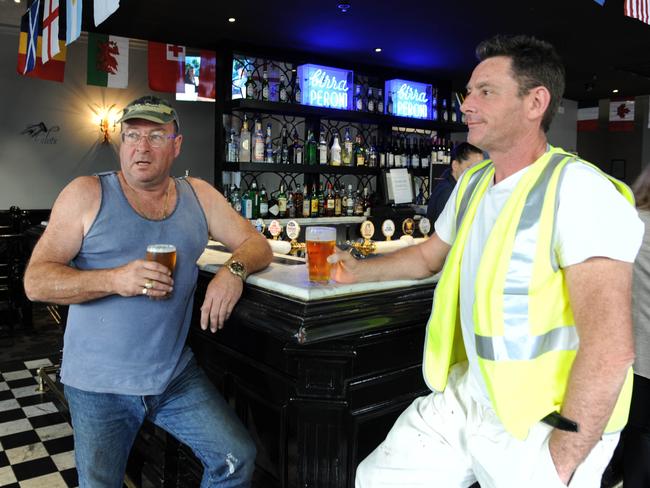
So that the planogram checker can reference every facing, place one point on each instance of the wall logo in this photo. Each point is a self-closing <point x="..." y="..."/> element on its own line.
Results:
<point x="40" y="133"/>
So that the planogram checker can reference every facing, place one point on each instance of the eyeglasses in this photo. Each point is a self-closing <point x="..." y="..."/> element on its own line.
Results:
<point x="155" y="139"/>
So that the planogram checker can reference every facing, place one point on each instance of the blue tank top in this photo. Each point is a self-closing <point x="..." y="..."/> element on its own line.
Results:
<point x="134" y="345"/>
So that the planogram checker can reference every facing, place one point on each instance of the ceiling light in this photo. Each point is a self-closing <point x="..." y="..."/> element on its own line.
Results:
<point x="344" y="6"/>
<point x="231" y="19"/>
<point x="615" y="90"/>
<point x="377" y="49"/>
<point x="17" y="1"/>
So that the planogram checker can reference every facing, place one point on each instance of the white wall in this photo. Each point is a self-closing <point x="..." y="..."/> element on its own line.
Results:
<point x="564" y="128"/>
<point x="32" y="173"/>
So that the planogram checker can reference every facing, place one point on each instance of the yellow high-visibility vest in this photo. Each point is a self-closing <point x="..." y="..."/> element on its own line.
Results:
<point x="525" y="334"/>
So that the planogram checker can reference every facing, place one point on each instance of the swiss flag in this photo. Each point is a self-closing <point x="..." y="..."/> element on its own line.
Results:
<point x="166" y="65"/>
<point x="207" y="74"/>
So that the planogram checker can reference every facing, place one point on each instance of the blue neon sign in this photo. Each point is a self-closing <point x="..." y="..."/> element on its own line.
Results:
<point x="323" y="86"/>
<point x="410" y="99"/>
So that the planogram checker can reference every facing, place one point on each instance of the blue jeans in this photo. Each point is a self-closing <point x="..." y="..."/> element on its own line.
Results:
<point x="191" y="409"/>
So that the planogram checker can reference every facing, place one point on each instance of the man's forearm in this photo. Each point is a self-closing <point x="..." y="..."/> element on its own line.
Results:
<point x="58" y="283"/>
<point x="254" y="252"/>
<point x="592" y="392"/>
<point x="405" y="264"/>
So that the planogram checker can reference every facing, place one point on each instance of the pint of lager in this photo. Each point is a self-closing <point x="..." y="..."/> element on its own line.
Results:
<point x="320" y="244"/>
<point x="163" y="254"/>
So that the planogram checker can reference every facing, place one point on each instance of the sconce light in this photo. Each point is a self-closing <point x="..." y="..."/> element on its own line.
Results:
<point x="106" y="118"/>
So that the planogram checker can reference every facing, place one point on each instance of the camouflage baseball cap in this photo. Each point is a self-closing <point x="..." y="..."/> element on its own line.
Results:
<point x="151" y="108"/>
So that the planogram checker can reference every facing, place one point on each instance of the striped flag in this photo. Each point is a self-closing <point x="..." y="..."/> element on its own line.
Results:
<point x="50" y="45"/>
<point x="588" y="119"/>
<point x="600" y="2"/>
<point x="108" y="60"/>
<point x="103" y="9"/>
<point x="638" y="9"/>
<point x="30" y="21"/>
<point x="73" y="20"/>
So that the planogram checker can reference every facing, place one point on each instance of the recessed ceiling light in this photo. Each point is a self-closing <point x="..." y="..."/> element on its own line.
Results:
<point x="344" y="6"/>
<point x="377" y="49"/>
<point x="615" y="90"/>
<point x="231" y="19"/>
<point x="17" y="1"/>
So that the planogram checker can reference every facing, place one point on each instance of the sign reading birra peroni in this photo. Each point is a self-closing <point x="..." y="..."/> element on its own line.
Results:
<point x="410" y="99"/>
<point x="323" y="86"/>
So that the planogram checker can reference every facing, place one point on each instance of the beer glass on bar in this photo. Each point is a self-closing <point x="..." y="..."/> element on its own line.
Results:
<point x="164" y="254"/>
<point x="320" y="244"/>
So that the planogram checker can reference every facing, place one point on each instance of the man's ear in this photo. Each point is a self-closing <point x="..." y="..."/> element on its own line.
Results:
<point x="539" y="98"/>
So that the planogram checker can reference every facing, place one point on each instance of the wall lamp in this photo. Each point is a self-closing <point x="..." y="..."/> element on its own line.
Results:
<point x="106" y="118"/>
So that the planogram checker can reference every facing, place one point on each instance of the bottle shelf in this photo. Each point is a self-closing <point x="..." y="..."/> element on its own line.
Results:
<point x="437" y="170"/>
<point x="298" y="110"/>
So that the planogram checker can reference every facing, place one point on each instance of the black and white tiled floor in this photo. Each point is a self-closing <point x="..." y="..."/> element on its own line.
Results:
<point x="36" y="446"/>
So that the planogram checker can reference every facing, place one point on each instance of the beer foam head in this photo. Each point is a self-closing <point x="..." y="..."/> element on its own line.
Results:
<point x="161" y="248"/>
<point x="324" y="234"/>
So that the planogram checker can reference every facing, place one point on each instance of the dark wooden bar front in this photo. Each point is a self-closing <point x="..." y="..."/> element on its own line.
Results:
<point x="317" y="383"/>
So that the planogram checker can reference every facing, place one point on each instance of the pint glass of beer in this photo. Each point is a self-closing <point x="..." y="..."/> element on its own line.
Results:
<point x="163" y="254"/>
<point x="320" y="244"/>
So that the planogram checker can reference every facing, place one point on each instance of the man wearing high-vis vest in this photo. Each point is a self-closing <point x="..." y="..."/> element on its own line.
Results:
<point x="529" y="346"/>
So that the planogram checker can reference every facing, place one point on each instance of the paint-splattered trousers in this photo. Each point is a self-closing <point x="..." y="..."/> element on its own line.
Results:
<point x="450" y="440"/>
<point x="191" y="409"/>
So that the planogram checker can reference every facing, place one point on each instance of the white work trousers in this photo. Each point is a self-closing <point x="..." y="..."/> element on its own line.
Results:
<point x="448" y="440"/>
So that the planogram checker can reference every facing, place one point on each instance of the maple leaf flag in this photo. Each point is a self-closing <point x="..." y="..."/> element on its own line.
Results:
<point x="621" y="115"/>
<point x="166" y="63"/>
<point x="50" y="44"/>
<point x="108" y="60"/>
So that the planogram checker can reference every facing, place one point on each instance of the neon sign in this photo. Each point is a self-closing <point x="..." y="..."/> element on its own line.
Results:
<point x="410" y="99"/>
<point x="323" y="86"/>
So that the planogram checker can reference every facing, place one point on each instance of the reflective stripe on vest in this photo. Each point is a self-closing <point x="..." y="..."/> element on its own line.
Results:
<point x="474" y="180"/>
<point x="516" y="344"/>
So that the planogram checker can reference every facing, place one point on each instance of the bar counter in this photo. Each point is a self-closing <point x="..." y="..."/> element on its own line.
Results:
<point x="318" y="373"/>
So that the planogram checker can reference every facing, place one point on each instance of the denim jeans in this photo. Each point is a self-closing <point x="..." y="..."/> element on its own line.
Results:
<point x="191" y="409"/>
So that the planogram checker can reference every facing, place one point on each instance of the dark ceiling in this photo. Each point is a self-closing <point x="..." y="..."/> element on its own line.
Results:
<point x="602" y="49"/>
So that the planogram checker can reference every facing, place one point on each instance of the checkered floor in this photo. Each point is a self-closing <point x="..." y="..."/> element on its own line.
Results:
<point x="36" y="447"/>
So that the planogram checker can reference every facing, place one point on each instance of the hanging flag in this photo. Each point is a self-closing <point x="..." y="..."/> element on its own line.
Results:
<point x="166" y="67"/>
<point x="588" y="119"/>
<point x="621" y="115"/>
<point x="600" y="2"/>
<point x="73" y="9"/>
<point x="638" y="9"/>
<point x="108" y="60"/>
<point x="208" y="75"/>
<point x="103" y="9"/>
<point x="30" y="36"/>
<point x="50" y="45"/>
<point x="29" y="49"/>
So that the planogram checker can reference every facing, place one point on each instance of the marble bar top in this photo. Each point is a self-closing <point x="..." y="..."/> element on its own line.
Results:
<point x="291" y="279"/>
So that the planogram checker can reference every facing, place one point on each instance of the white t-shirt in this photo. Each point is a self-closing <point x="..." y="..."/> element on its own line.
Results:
<point x="593" y="219"/>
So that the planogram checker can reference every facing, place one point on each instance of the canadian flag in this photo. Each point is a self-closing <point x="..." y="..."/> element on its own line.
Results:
<point x="621" y="115"/>
<point x="588" y="119"/>
<point x="166" y="66"/>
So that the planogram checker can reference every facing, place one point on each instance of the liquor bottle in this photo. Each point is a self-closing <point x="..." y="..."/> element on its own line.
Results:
<point x="358" y="204"/>
<point x="291" y="209"/>
<point x="254" y="197"/>
<point x="390" y="155"/>
<point x="284" y="146"/>
<point x="420" y="200"/>
<point x="448" y="148"/>
<point x="306" y="202"/>
<point x="424" y="154"/>
<point x="358" y="98"/>
<point x="372" y="154"/>
<point x="246" y="206"/>
<point x="346" y="150"/>
<point x="381" y="153"/>
<point x="441" y="152"/>
<point x="322" y="148"/>
<point x="396" y="153"/>
<point x="443" y="110"/>
<point x="321" y="199"/>
<point x="268" y="145"/>
<point x="265" y="86"/>
<point x="409" y="153"/>
<point x="258" y="143"/>
<point x="282" y="203"/>
<point x="329" y="209"/>
<point x="380" y="101"/>
<point x="434" y="108"/>
<point x="232" y="147"/>
<point x="366" y="202"/>
<point x="297" y="92"/>
<point x="244" y="142"/>
<point x="389" y="104"/>
<point x="298" y="199"/>
<point x="314" y="202"/>
<point x="454" y="108"/>
<point x="235" y="200"/>
<point x="415" y="157"/>
<point x="264" y="203"/>
<point x="371" y="101"/>
<point x="349" y="202"/>
<point x="283" y="94"/>
<point x="250" y="85"/>
<point x="311" y="151"/>
<point x="434" y="151"/>
<point x="358" y="156"/>
<point x="298" y="153"/>
<point x="405" y="154"/>
<point x="337" y="203"/>
<point x="335" y="152"/>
